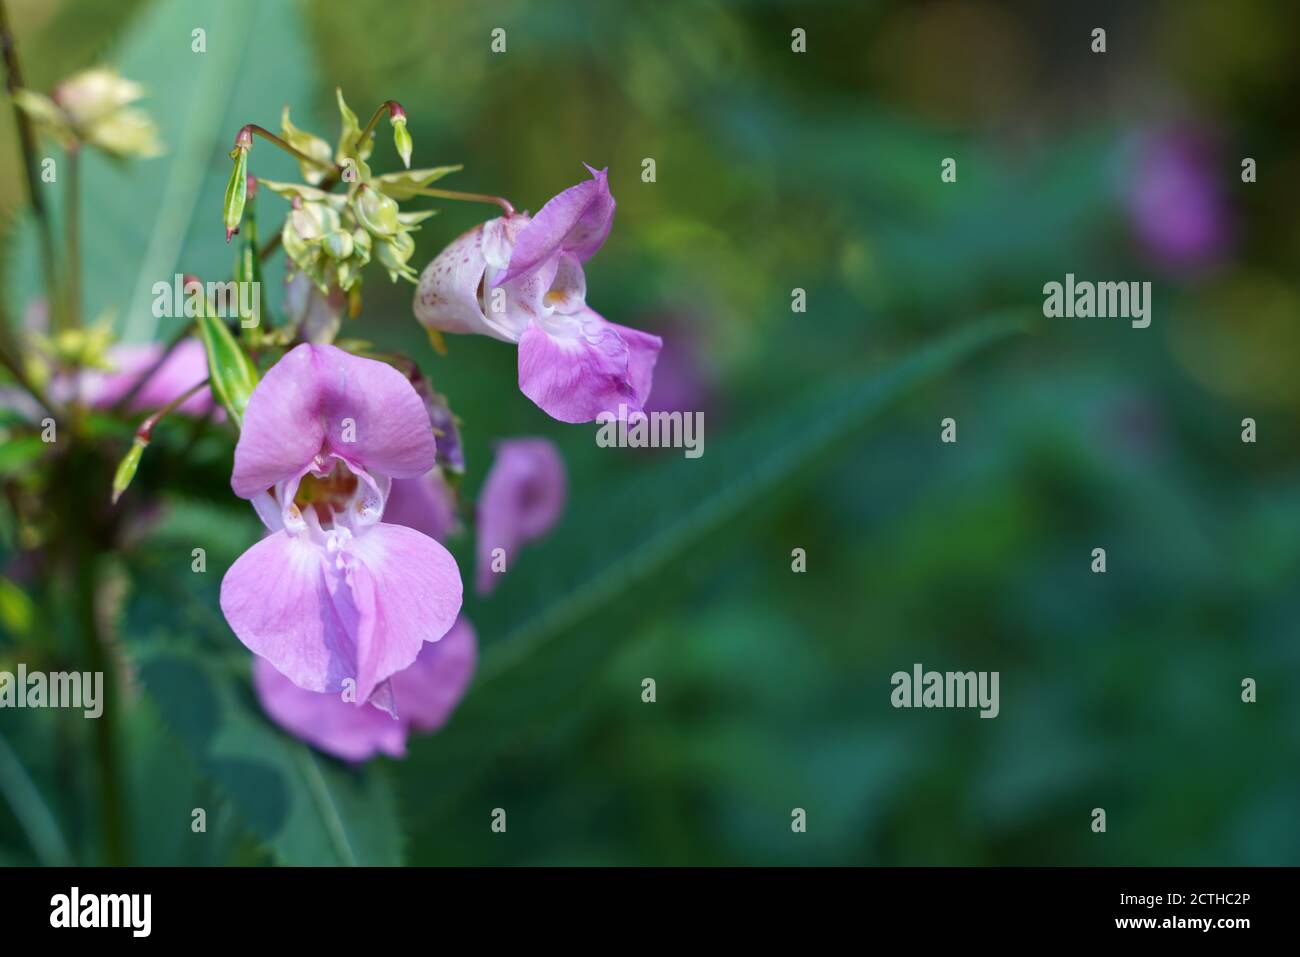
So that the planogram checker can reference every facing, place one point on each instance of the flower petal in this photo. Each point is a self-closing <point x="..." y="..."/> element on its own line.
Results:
<point x="326" y="721"/>
<point x="576" y="367"/>
<point x="405" y="590"/>
<point x="427" y="692"/>
<point x="521" y="500"/>
<point x="576" y="221"/>
<point x="276" y="597"/>
<point x="282" y="430"/>
<point x="320" y="398"/>
<point x="425" y="504"/>
<point x="452" y="294"/>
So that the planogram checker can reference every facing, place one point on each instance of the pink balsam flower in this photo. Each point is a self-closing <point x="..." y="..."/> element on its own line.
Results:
<point x="520" y="279"/>
<point x="522" y="498"/>
<point x="333" y="595"/>
<point x="428" y="692"/>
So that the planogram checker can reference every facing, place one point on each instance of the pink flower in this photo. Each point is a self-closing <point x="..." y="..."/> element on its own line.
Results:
<point x="426" y="504"/>
<point x="425" y="693"/>
<point x="333" y="595"/>
<point x="185" y="367"/>
<point x="521" y="500"/>
<point x="520" y="279"/>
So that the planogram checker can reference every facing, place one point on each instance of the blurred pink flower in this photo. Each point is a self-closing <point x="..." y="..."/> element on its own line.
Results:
<point x="1177" y="204"/>
<point x="522" y="498"/>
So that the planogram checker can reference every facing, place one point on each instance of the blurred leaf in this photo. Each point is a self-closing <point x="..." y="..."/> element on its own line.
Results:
<point x="310" y="811"/>
<point x="32" y="812"/>
<point x="615" y="545"/>
<point x="16" y="454"/>
<point x="145" y="221"/>
<point x="17" y="611"/>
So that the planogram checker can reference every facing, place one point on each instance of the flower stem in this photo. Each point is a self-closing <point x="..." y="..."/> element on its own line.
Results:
<point x="467" y="197"/>
<point x="386" y="107"/>
<point x="27" y="145"/>
<point x="292" y="151"/>
<point x="145" y="432"/>
<point x="72" y="237"/>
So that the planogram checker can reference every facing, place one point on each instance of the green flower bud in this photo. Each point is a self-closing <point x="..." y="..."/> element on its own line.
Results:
<point x="376" y="212"/>
<point x="393" y="254"/>
<point x="231" y="373"/>
<point x="401" y="136"/>
<point x="237" y="188"/>
<point x="338" y="244"/>
<point x="126" y="469"/>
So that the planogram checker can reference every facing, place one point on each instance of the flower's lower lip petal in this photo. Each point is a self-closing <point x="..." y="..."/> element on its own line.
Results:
<point x="576" y="377"/>
<point x="642" y="353"/>
<point x="406" y="590"/>
<point x="276" y="598"/>
<point x="326" y="721"/>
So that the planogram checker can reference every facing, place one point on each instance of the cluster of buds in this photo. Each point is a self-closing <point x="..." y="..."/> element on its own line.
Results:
<point x="331" y="237"/>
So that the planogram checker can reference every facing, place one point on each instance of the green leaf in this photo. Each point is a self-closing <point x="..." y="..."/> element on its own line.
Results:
<point x="308" y="194"/>
<point x="309" y="810"/>
<point x="404" y="184"/>
<point x="145" y="221"/>
<point x="305" y="142"/>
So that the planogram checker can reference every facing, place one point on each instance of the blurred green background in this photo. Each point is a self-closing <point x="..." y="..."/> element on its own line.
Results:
<point x="775" y="170"/>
